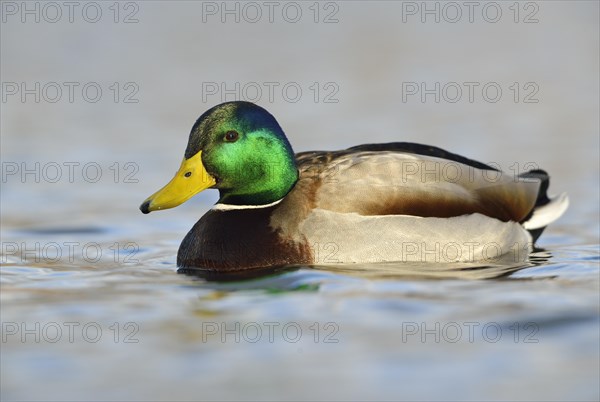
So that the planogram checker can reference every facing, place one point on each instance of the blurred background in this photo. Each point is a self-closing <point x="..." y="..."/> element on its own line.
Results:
<point x="97" y="102"/>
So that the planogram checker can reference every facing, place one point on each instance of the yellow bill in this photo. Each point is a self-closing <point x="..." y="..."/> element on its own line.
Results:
<point x="190" y="179"/>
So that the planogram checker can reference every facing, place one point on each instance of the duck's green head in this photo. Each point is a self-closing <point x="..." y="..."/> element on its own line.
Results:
<point x="238" y="148"/>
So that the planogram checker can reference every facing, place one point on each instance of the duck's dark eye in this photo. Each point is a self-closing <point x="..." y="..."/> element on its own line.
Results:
<point x="231" y="136"/>
<point x="188" y="174"/>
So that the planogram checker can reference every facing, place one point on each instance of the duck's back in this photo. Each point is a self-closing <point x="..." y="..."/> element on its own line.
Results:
<point x="413" y="179"/>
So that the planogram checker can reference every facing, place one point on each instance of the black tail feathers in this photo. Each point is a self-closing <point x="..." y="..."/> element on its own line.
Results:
<point x="542" y="197"/>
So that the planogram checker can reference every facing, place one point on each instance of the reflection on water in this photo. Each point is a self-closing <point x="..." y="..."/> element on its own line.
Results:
<point x="391" y="270"/>
<point x="233" y="276"/>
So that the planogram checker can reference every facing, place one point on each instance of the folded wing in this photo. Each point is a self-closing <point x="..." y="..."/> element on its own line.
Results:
<point x="394" y="180"/>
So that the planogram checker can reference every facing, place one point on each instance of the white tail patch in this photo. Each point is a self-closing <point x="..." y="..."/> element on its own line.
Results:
<point x="546" y="214"/>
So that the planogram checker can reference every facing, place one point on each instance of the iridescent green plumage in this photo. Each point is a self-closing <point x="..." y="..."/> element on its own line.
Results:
<point x="258" y="168"/>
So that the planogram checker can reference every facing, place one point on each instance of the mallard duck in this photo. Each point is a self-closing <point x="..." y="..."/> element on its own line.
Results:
<point x="366" y="204"/>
